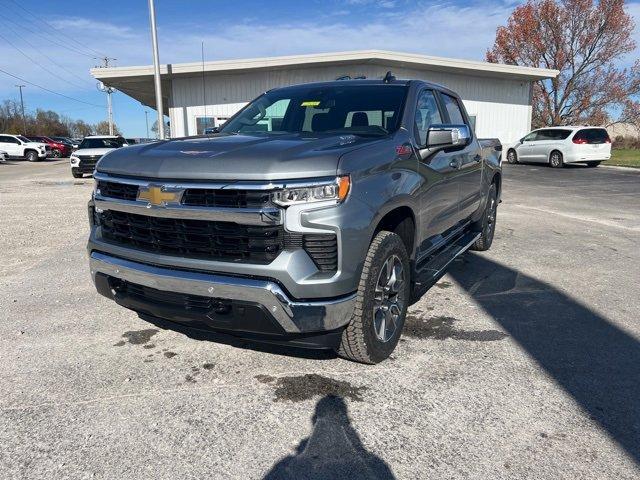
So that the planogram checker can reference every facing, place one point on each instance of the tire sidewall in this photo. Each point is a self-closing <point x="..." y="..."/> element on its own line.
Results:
<point x="515" y="157"/>
<point x="32" y="156"/>
<point x="391" y="245"/>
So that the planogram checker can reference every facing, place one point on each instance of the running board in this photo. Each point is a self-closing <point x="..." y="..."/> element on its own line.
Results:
<point x="436" y="266"/>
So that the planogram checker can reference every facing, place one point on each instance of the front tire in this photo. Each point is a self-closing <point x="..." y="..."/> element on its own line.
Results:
<point x="381" y="302"/>
<point x="488" y="226"/>
<point x="76" y="173"/>
<point x="31" y="156"/>
<point x="592" y="164"/>
<point x="512" y="157"/>
<point x="57" y="154"/>
<point x="556" y="160"/>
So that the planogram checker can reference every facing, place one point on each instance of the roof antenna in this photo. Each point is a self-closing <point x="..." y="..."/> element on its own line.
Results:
<point x="389" y="77"/>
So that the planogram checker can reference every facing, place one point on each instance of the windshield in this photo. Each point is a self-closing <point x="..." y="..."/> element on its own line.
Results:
<point x="102" y="143"/>
<point x="24" y="139"/>
<point x="354" y="109"/>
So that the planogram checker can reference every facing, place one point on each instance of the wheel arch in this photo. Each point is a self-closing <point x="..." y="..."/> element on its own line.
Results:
<point x="402" y="221"/>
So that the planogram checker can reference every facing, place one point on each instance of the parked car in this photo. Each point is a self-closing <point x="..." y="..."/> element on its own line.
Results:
<point x="67" y="141"/>
<point x="55" y="148"/>
<point x="91" y="150"/>
<point x="557" y="146"/>
<point x="18" y="146"/>
<point x="313" y="217"/>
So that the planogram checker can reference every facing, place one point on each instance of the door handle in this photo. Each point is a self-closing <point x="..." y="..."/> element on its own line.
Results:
<point x="454" y="164"/>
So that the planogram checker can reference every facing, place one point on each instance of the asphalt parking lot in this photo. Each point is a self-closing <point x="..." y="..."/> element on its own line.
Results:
<point x="522" y="362"/>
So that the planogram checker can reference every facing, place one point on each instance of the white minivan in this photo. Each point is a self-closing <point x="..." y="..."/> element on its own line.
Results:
<point x="559" y="145"/>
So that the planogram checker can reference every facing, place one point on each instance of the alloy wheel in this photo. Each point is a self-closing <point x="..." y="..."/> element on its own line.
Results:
<point x="388" y="298"/>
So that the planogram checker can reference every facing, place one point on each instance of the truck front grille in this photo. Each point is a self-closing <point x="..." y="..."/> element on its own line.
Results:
<point x="122" y="191"/>
<point x="88" y="163"/>
<point x="323" y="250"/>
<point x="193" y="238"/>
<point x="208" y="197"/>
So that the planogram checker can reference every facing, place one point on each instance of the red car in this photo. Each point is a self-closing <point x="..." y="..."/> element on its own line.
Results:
<point x="56" y="149"/>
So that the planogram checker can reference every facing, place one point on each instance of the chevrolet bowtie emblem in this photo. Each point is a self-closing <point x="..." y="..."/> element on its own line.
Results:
<point x="156" y="195"/>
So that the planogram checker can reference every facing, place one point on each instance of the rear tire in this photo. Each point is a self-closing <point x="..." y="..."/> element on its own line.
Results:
<point x="512" y="157"/>
<point x="381" y="302"/>
<point x="57" y="153"/>
<point x="592" y="164"/>
<point x="556" y="160"/>
<point x="488" y="227"/>
<point x="31" y="156"/>
<point x="76" y="173"/>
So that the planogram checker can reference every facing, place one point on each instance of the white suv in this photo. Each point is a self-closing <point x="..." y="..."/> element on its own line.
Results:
<point x="17" y="146"/>
<point x="559" y="145"/>
<point x="91" y="150"/>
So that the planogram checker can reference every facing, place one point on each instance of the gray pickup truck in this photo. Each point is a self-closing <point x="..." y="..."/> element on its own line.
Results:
<point x="312" y="217"/>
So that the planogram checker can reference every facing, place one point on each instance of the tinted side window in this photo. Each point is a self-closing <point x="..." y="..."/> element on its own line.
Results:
<point x="545" y="135"/>
<point x="531" y="136"/>
<point x="427" y="114"/>
<point x="592" y="135"/>
<point x="453" y="109"/>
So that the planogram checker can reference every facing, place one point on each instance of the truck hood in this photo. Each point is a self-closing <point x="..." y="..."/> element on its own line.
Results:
<point x="234" y="157"/>
<point x="92" y="151"/>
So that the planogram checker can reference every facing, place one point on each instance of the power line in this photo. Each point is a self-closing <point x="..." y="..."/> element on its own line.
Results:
<point x="58" y="32"/>
<point x="39" y="65"/>
<point x="36" y="49"/>
<point x="48" y="90"/>
<point x="43" y="35"/>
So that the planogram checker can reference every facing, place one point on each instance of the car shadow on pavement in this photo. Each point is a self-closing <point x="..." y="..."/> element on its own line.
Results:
<point x="593" y="360"/>
<point x="219" y="337"/>
<point x="332" y="451"/>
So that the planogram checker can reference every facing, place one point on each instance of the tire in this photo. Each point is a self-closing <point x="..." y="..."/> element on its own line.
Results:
<point x="556" y="160"/>
<point x="592" y="164"/>
<point x="76" y="173"/>
<point x="31" y="156"/>
<point x="488" y="225"/>
<point x="360" y="340"/>
<point x="512" y="157"/>
<point x="57" y="154"/>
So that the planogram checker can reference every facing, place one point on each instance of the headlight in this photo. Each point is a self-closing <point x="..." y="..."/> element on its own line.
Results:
<point x="318" y="192"/>
<point x="74" y="160"/>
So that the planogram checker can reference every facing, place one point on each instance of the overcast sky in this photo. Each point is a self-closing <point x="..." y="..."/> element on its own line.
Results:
<point x="60" y="42"/>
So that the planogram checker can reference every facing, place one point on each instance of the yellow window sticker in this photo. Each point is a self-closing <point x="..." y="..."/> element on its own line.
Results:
<point x="310" y="103"/>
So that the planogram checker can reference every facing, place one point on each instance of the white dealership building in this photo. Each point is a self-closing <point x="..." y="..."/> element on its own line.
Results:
<point x="196" y="95"/>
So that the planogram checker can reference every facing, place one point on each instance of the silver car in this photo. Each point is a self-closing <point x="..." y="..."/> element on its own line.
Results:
<point x="559" y="145"/>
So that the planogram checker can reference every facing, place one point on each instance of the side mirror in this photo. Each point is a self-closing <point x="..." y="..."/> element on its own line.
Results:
<point x="211" y="130"/>
<point x="521" y="140"/>
<point x="447" y="136"/>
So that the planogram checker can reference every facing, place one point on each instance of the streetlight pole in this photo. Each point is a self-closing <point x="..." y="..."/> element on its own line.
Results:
<point x="146" y="121"/>
<point x="156" y="69"/>
<point x="24" y="121"/>
<point x="110" y="110"/>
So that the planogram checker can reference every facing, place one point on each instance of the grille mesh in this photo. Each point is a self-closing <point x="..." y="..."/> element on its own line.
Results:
<point x="206" y="197"/>
<point x="193" y="238"/>
<point x="122" y="191"/>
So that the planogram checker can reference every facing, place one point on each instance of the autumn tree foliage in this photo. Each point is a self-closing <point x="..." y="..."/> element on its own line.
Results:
<point x="585" y="41"/>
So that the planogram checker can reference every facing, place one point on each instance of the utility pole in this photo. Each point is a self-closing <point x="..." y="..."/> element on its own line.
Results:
<point x="108" y="90"/>
<point x="146" y="120"/>
<point x="24" y="121"/>
<point x="156" y="69"/>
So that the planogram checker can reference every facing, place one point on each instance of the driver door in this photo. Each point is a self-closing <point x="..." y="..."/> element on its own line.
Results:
<point x="439" y="190"/>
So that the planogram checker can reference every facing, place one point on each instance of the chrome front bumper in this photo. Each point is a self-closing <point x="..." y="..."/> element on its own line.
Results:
<point x="293" y="316"/>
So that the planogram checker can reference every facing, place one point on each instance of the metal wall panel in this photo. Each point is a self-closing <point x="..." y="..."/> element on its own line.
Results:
<point x="501" y="106"/>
